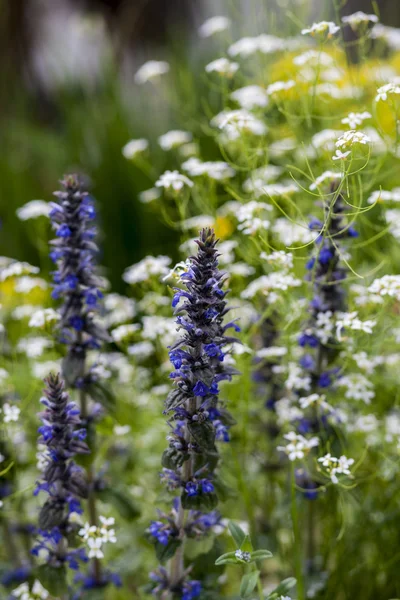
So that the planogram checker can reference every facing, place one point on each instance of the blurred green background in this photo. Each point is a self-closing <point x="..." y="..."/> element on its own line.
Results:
<point x="68" y="102"/>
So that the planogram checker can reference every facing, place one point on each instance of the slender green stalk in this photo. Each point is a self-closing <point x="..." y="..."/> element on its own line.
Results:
<point x="297" y="539"/>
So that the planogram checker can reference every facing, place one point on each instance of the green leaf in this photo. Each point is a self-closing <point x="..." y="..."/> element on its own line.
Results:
<point x="284" y="586"/>
<point x="163" y="552"/>
<point x="228" y="558"/>
<point x="248" y="584"/>
<point x="246" y="545"/>
<point x="204" y="435"/>
<point x="237" y="533"/>
<point x="195" y="547"/>
<point x="102" y="394"/>
<point x="53" y="579"/>
<point x="260" y="555"/>
<point x="199" y="502"/>
<point x="122" y="502"/>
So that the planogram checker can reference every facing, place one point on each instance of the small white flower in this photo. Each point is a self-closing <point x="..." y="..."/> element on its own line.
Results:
<point x="359" y="18"/>
<point x="216" y="169"/>
<point x="389" y="89"/>
<point x="134" y="147"/>
<point x="95" y="547"/>
<point x="278" y="258"/>
<point x="336" y="466"/>
<point x="43" y="316"/>
<point x="174" y="139"/>
<point x="266" y="44"/>
<point x="173" y="181"/>
<point x="108" y="535"/>
<point x="16" y="269"/>
<point x="251" y="96"/>
<point x="106" y="522"/>
<point x="339" y="155"/>
<point x="222" y="66"/>
<point x="214" y="25"/>
<point x="151" y="70"/>
<point x="120" y="430"/>
<point x="124" y="332"/>
<point x="10" y="413"/>
<point x="322" y="30"/>
<point x="280" y="86"/>
<point x="351" y="321"/>
<point x="353" y="119"/>
<point x="33" y="210"/>
<point x="33" y="346"/>
<point x="150" y="195"/>
<point x="326" y="177"/>
<point x="298" y="446"/>
<point x="388" y="285"/>
<point x="148" y="267"/>
<point x="235" y="123"/>
<point x="87" y="531"/>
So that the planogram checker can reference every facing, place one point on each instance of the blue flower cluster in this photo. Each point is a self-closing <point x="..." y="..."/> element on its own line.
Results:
<point x="187" y="590"/>
<point x="197" y="524"/>
<point x="63" y="480"/>
<point x="197" y="418"/>
<point x="75" y="280"/>
<point x="327" y="273"/>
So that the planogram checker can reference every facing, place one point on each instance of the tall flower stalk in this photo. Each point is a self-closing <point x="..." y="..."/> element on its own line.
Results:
<point x="326" y="274"/>
<point x="77" y="284"/>
<point x="196" y="416"/>
<point x="63" y="480"/>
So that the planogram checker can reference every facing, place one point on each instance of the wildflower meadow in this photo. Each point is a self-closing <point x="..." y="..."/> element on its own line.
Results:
<point x="217" y="417"/>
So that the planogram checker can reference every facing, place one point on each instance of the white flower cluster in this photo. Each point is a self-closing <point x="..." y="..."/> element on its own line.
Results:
<point x="37" y="592"/>
<point x="97" y="537"/>
<point x="327" y="177"/>
<point x="298" y="446"/>
<point x="10" y="413"/>
<point x="388" y="285"/>
<point x="148" y="267"/>
<point x="336" y="466"/>
<point x="16" y="269"/>
<point x="249" y="221"/>
<point x="387" y="90"/>
<point x="33" y="210"/>
<point x="322" y="30"/>
<point x="351" y="321"/>
<point x="43" y="316"/>
<point x="218" y="169"/>
<point x="385" y="196"/>
<point x="250" y="96"/>
<point x="278" y="258"/>
<point x="135" y="147"/>
<point x="267" y="283"/>
<point x="357" y="387"/>
<point x="214" y="25"/>
<point x="173" y="181"/>
<point x="124" y="332"/>
<point x="354" y="119"/>
<point x="119" y="309"/>
<point x="347" y="141"/>
<point x="264" y="43"/>
<point x="174" y="139"/>
<point x="152" y="69"/>
<point x="235" y="123"/>
<point x="359" y="18"/>
<point x="222" y="66"/>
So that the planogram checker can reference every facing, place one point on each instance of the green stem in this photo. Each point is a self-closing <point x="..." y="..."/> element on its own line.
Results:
<point x="177" y="566"/>
<point x="297" y="538"/>
<point x="90" y="474"/>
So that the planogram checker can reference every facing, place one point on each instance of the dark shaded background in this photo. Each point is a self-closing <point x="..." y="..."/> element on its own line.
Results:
<point x="46" y="130"/>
